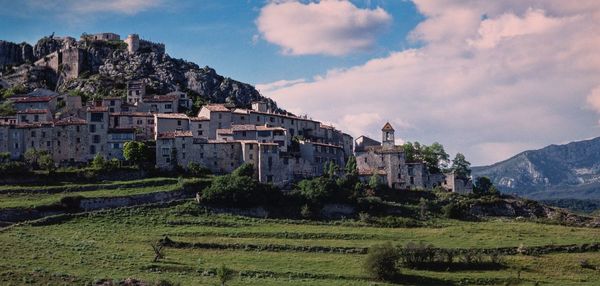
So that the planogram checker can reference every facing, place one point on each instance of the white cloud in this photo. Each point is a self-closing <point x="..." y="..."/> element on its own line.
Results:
<point x="492" y="78"/>
<point x="330" y="27"/>
<point x="593" y="99"/>
<point x="272" y="86"/>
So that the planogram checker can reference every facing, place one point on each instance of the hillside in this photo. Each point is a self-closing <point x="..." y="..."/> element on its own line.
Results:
<point x="557" y="171"/>
<point x="108" y="67"/>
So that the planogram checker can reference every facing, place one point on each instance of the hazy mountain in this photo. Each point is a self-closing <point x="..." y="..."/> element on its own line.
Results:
<point x="556" y="171"/>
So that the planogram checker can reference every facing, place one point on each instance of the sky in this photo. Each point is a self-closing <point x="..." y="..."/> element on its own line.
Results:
<point x="485" y="78"/>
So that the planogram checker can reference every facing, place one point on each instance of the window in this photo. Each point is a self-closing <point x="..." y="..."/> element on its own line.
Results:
<point x="112" y="103"/>
<point x="112" y="109"/>
<point x="199" y="125"/>
<point x="97" y="117"/>
<point x="242" y="118"/>
<point x="166" y="152"/>
<point x="36" y="118"/>
<point x="244" y="133"/>
<point x="183" y="146"/>
<point x="32" y="133"/>
<point x="24" y="118"/>
<point x="365" y="159"/>
<point x="257" y="118"/>
<point x="271" y="119"/>
<point x="251" y="146"/>
<point x="78" y="140"/>
<point x="150" y="121"/>
<point x="77" y="128"/>
<point x="47" y="143"/>
<point x="140" y="122"/>
<point x="412" y="180"/>
<point x="220" y="116"/>
<point x="96" y="139"/>
<point x="168" y="106"/>
<point x="92" y="129"/>
<point x="251" y="156"/>
<point x="178" y="122"/>
<point x="92" y="149"/>
<point x="115" y="145"/>
<point x="200" y="133"/>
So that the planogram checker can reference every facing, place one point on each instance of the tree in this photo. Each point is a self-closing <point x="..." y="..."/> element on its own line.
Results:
<point x="224" y="274"/>
<point x="46" y="162"/>
<point x="351" y="167"/>
<point x="158" y="249"/>
<point x="374" y="181"/>
<point x="246" y="169"/>
<point x="31" y="158"/>
<point x="4" y="157"/>
<point x="135" y="152"/>
<point x="483" y="185"/>
<point x="98" y="162"/>
<point x="317" y="189"/>
<point x="381" y="262"/>
<point x="435" y="157"/>
<point x="461" y="167"/>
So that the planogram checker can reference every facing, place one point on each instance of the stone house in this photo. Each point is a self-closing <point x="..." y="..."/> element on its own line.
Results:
<point x="98" y="122"/>
<point x="116" y="139"/>
<point x="159" y="104"/>
<point x="456" y="184"/>
<point x="169" y="122"/>
<point x="33" y="116"/>
<point x="388" y="161"/>
<point x="141" y="122"/>
<point x="70" y="137"/>
<point x="34" y="102"/>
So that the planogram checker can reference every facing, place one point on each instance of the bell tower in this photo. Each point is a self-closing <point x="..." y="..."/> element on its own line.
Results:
<point x="387" y="135"/>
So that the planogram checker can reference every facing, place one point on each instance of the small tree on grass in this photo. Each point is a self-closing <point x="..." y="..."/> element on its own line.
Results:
<point x="381" y="262"/>
<point x="98" y="162"/>
<point x="224" y="274"/>
<point x="159" y="252"/>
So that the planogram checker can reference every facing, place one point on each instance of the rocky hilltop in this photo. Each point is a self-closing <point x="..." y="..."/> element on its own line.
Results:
<point x="107" y="66"/>
<point x="556" y="171"/>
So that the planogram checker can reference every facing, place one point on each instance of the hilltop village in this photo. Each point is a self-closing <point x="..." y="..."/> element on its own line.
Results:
<point x="283" y="148"/>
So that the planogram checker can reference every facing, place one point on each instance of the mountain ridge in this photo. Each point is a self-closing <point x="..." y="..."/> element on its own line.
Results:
<point x="570" y="170"/>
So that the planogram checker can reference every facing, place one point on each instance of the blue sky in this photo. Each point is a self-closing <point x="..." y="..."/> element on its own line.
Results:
<point x="215" y="33"/>
<point x="485" y="78"/>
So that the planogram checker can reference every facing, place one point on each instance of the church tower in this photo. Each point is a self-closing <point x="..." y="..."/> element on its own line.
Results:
<point x="387" y="135"/>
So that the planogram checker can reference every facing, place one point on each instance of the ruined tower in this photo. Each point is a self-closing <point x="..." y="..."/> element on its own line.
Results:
<point x="387" y="135"/>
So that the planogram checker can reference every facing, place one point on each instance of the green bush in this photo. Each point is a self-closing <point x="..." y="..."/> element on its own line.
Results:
<point x="316" y="190"/>
<point x="452" y="210"/>
<point x="196" y="170"/>
<point x="381" y="262"/>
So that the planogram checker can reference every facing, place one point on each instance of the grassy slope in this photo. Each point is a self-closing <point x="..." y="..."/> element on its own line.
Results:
<point x="116" y="244"/>
<point x="14" y="200"/>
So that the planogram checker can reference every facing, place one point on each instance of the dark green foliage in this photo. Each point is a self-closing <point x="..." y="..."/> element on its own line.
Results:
<point x="197" y="170"/>
<point x="435" y="157"/>
<point x="239" y="190"/>
<point x="136" y="152"/>
<point x="452" y="210"/>
<point x="381" y="262"/>
<point x="7" y="109"/>
<point x="245" y="169"/>
<point x="351" y="168"/>
<point x="461" y="167"/>
<point x="317" y="190"/>
<point x="12" y="91"/>
<point x="224" y="274"/>
<point x="426" y="256"/>
<point x="484" y="186"/>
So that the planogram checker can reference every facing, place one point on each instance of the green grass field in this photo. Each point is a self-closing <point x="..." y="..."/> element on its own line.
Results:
<point x="21" y="197"/>
<point x="116" y="244"/>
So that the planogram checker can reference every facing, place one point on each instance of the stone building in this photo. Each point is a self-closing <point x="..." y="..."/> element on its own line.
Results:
<point x="388" y="161"/>
<point x="97" y="118"/>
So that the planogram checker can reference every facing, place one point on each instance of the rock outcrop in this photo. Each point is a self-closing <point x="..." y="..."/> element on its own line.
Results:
<point x="14" y="54"/>
<point x="107" y="66"/>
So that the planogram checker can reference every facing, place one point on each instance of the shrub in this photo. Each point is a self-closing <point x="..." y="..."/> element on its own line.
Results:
<point x="197" y="170"/>
<point x="224" y="274"/>
<point x="451" y="210"/>
<point x="381" y="262"/>
<point x="316" y="190"/>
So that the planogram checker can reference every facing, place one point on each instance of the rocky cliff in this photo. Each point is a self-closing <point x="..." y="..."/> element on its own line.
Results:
<point x="107" y="66"/>
<point x="12" y="54"/>
<point x="556" y="171"/>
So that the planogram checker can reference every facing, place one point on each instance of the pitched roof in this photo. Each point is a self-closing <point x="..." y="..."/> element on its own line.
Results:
<point x="172" y="115"/>
<point x="173" y="134"/>
<point x="199" y="118"/>
<point x="387" y="127"/>
<point x="27" y="99"/>
<point x="217" y="107"/>
<point x="70" y="121"/>
<point x="33" y="111"/>
<point x="132" y="114"/>
<point x="98" y="109"/>
<point x="160" y="98"/>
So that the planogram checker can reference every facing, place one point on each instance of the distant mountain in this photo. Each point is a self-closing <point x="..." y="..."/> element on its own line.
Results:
<point x="553" y="172"/>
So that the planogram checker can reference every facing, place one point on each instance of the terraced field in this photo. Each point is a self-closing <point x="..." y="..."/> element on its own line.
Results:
<point x="115" y="244"/>
<point x="32" y="196"/>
